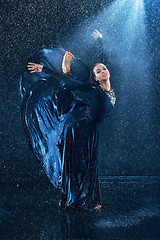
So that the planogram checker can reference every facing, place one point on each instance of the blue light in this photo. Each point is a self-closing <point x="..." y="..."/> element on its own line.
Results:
<point x="124" y="32"/>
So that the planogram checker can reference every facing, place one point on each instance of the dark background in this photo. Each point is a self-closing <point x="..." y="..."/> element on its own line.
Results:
<point x="129" y="139"/>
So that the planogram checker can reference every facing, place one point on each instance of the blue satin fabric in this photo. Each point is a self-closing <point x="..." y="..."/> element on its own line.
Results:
<point x="63" y="129"/>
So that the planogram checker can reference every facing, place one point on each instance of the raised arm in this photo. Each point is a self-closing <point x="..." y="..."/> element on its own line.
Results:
<point x="97" y="54"/>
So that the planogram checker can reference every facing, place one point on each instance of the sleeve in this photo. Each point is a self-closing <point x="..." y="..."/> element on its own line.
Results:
<point x="98" y="49"/>
<point x="47" y="70"/>
<point x="96" y="52"/>
<point x="72" y="84"/>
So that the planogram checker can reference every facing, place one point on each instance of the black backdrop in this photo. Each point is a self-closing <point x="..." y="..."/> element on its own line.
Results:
<point x="127" y="145"/>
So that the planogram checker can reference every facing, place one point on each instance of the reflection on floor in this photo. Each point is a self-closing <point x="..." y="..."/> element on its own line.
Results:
<point x="131" y="210"/>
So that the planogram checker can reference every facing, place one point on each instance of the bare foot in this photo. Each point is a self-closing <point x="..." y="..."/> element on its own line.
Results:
<point x="66" y="62"/>
<point x="98" y="207"/>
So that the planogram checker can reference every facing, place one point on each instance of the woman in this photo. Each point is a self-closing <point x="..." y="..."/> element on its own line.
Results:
<point x="62" y="128"/>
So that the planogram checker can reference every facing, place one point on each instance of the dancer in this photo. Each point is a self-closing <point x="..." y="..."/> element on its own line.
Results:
<point x="63" y="129"/>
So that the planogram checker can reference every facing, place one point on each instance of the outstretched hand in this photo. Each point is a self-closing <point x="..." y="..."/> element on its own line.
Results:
<point x="34" y="67"/>
<point x="96" y="34"/>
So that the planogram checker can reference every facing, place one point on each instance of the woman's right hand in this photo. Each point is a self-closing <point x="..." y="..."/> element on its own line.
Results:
<point x="96" y="34"/>
<point x="34" y="67"/>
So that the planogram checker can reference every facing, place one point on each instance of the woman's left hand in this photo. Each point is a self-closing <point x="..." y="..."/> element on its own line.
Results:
<point x="34" y="67"/>
<point x="96" y="34"/>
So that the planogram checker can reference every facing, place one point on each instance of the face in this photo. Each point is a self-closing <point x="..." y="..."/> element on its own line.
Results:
<point x="101" y="72"/>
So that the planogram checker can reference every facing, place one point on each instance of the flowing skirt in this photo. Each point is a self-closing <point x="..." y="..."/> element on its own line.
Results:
<point x="65" y="141"/>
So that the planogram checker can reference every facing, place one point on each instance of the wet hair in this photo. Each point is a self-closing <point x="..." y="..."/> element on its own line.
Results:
<point x="92" y="76"/>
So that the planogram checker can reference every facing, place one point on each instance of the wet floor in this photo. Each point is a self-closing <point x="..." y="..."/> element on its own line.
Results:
<point x="130" y="210"/>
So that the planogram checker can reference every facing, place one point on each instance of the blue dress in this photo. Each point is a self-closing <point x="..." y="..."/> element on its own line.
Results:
<point x="63" y="128"/>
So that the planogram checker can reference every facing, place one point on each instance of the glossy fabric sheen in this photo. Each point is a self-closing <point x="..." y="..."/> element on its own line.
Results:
<point x="63" y="130"/>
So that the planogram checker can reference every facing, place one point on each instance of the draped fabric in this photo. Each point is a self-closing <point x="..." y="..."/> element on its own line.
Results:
<point x="62" y="128"/>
